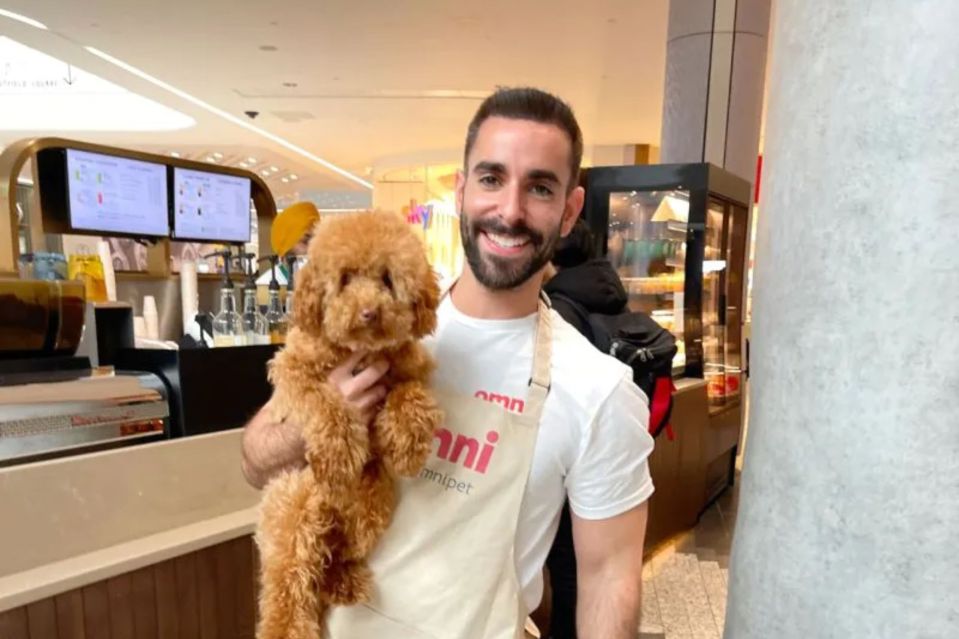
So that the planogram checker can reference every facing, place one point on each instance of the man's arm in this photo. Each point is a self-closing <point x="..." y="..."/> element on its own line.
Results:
<point x="609" y="565"/>
<point x="270" y="447"/>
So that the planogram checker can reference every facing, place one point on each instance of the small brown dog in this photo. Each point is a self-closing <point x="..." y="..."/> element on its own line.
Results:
<point x="367" y="287"/>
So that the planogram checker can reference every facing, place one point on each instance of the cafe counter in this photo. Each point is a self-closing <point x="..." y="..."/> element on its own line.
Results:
<point x="138" y="537"/>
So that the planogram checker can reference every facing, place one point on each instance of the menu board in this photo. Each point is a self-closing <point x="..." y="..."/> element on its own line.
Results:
<point x="210" y="206"/>
<point x="111" y="194"/>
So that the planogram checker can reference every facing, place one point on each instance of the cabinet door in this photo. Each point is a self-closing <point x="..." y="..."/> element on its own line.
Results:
<point x="647" y="247"/>
<point x="723" y="266"/>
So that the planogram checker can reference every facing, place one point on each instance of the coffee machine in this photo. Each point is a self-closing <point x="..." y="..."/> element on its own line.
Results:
<point x="53" y="402"/>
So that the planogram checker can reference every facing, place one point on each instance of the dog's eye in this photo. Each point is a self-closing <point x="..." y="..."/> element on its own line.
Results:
<point x="387" y="280"/>
<point x="345" y="279"/>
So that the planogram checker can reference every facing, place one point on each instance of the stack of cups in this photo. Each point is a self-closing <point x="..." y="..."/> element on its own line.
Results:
<point x="151" y="317"/>
<point x="109" y="277"/>
<point x="189" y="298"/>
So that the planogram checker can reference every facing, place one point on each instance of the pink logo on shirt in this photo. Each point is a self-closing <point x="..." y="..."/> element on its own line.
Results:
<point x="477" y="457"/>
<point x="512" y="404"/>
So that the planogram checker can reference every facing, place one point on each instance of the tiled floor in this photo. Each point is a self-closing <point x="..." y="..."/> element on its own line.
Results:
<point x="684" y="583"/>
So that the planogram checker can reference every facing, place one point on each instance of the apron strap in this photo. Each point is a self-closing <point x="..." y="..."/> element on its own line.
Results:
<point x="539" y="383"/>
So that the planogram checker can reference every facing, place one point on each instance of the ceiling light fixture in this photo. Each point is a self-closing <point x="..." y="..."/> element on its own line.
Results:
<point x="273" y="169"/>
<point x="23" y="19"/>
<point x="174" y="154"/>
<point x="293" y="176"/>
<point x="218" y="155"/>
<point x="285" y="180"/>
<point x="211" y="159"/>
<point x="230" y="117"/>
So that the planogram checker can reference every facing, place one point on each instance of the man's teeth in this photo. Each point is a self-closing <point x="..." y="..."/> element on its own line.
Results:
<point x="507" y="241"/>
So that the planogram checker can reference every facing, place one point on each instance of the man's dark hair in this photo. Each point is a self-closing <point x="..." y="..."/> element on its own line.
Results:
<point x="576" y="248"/>
<point x="525" y="103"/>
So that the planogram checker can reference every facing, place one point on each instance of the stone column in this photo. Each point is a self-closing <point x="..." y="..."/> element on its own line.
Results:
<point x="849" y="518"/>
<point x="715" y="66"/>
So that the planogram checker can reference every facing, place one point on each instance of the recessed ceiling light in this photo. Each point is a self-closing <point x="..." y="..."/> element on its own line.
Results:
<point x="265" y="173"/>
<point x="243" y="165"/>
<point x="23" y="19"/>
<point x="273" y="169"/>
<point x="230" y="117"/>
<point x="251" y="160"/>
<point x="293" y="176"/>
<point x="285" y="180"/>
<point x="218" y="156"/>
<point x="211" y="159"/>
<point x="174" y="154"/>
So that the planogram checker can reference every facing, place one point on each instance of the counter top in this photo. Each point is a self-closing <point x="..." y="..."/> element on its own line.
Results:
<point x="74" y="521"/>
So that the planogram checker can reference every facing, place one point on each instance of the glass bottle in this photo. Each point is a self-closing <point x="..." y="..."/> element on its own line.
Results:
<point x="255" y="330"/>
<point x="275" y="318"/>
<point x="227" y="324"/>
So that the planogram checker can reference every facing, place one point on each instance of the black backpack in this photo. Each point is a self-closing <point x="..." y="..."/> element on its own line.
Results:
<point x="641" y="343"/>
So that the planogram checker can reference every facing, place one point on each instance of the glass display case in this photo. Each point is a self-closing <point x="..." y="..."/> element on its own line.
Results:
<point x="676" y="234"/>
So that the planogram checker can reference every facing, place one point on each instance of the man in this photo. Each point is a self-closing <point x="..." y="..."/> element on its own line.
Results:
<point x="517" y="197"/>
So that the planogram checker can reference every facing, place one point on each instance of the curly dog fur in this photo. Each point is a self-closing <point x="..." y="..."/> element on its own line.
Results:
<point x="366" y="287"/>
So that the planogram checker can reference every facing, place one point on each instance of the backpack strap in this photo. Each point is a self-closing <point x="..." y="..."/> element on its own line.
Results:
<point x="580" y="319"/>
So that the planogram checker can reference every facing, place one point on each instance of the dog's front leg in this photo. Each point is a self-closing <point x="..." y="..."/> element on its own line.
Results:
<point x="403" y="429"/>
<point x="337" y="441"/>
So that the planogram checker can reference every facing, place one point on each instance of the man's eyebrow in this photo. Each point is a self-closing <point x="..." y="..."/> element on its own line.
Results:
<point x="544" y="175"/>
<point x="490" y="167"/>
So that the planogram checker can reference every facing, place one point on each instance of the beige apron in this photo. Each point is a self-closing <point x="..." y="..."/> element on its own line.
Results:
<point x="445" y="569"/>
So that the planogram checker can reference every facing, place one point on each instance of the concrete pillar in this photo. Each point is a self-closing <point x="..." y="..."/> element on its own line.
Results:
<point x="849" y="513"/>
<point x="715" y="66"/>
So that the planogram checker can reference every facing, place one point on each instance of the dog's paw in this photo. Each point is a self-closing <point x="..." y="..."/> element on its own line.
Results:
<point x="403" y="430"/>
<point x="349" y="583"/>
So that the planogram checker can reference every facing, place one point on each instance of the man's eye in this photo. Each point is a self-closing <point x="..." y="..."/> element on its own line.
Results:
<point x="489" y="180"/>
<point x="541" y="190"/>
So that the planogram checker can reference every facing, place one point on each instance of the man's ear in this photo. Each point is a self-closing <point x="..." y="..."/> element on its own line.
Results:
<point x="574" y="206"/>
<point x="424" y="308"/>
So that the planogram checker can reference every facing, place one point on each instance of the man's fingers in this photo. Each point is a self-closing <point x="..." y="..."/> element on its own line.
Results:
<point x="370" y="398"/>
<point x="365" y="380"/>
<point x="344" y="372"/>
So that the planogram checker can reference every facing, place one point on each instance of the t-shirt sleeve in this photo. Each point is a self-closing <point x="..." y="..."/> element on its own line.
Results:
<point x="611" y="474"/>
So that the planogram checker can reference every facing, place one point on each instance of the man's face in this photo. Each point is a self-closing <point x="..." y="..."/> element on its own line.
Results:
<point x="514" y="200"/>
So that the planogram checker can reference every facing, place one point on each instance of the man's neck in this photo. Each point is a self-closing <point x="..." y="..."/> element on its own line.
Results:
<point x="475" y="300"/>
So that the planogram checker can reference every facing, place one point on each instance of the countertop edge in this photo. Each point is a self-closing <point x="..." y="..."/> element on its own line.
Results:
<point x="32" y="585"/>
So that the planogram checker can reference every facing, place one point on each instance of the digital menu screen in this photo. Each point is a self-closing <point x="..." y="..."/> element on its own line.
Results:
<point x="210" y="206"/>
<point x="111" y="194"/>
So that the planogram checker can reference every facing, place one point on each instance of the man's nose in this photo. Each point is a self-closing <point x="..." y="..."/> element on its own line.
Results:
<point x="513" y="205"/>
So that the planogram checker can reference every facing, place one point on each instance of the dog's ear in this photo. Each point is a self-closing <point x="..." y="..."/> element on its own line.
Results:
<point x="308" y="299"/>
<point x="424" y="308"/>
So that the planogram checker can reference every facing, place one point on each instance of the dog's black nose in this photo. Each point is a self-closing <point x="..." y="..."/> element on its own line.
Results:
<point x="369" y="315"/>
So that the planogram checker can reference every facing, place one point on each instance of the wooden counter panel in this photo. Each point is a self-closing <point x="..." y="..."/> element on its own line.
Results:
<point x="206" y="594"/>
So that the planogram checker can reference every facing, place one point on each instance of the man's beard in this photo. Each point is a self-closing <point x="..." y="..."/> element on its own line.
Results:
<point x="500" y="273"/>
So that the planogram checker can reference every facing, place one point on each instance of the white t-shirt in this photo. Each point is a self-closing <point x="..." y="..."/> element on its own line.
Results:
<point x="592" y="443"/>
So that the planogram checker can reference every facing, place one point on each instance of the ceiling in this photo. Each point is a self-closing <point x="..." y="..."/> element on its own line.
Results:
<point x="366" y="86"/>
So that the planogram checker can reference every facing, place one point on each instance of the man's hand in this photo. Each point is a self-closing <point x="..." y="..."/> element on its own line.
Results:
<point x="270" y="447"/>
<point x="360" y="388"/>
<point x="609" y="566"/>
